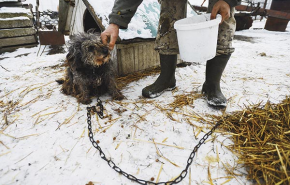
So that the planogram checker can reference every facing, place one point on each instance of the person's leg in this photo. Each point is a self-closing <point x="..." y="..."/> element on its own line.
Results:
<point x="167" y="46"/>
<point x="215" y="67"/>
<point x="211" y="86"/>
<point x="166" y="80"/>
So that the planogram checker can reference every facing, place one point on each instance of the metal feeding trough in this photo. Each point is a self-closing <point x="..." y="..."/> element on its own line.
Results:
<point x="53" y="38"/>
<point x="46" y="23"/>
<point x="275" y="23"/>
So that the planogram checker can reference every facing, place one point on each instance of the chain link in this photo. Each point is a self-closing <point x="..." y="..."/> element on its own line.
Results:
<point x="99" y="110"/>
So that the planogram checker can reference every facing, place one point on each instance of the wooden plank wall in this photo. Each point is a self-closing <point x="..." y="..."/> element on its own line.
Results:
<point x="134" y="57"/>
<point x="76" y="25"/>
<point x="63" y="14"/>
<point x="17" y="41"/>
<point x="17" y="30"/>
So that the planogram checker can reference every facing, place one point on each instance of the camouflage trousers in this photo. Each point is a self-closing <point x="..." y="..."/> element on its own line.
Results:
<point x="172" y="10"/>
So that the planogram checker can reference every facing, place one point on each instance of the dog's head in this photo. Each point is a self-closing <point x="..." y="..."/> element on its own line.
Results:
<point x="89" y="48"/>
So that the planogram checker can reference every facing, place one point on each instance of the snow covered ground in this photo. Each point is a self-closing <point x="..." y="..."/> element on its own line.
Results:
<point x="44" y="137"/>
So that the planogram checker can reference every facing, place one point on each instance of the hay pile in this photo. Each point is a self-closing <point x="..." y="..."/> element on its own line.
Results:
<point x="261" y="137"/>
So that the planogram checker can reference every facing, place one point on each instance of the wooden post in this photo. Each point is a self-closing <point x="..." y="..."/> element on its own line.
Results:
<point x="64" y="7"/>
<point x="37" y="15"/>
<point x="265" y="4"/>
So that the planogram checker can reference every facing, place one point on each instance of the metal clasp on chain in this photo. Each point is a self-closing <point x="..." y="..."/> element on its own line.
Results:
<point x="99" y="108"/>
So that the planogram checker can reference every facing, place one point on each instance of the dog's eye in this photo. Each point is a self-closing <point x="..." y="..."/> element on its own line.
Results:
<point x="91" y="48"/>
<point x="105" y="50"/>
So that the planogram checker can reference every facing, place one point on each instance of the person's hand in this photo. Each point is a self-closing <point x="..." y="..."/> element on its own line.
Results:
<point x="110" y="34"/>
<point x="222" y="8"/>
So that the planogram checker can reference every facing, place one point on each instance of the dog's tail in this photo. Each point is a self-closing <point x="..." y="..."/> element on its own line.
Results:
<point x="60" y="81"/>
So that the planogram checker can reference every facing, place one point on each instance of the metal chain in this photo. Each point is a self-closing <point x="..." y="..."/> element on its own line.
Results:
<point x="99" y="110"/>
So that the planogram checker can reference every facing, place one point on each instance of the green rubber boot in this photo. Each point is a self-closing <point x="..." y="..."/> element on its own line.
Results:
<point x="166" y="80"/>
<point x="211" y="87"/>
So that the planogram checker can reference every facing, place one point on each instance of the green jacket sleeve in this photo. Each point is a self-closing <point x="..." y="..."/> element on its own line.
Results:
<point x="233" y="3"/>
<point x="123" y="11"/>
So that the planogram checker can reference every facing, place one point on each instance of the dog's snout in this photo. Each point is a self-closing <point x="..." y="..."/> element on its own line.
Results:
<point x="105" y="50"/>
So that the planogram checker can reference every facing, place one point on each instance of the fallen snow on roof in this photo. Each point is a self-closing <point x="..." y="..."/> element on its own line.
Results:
<point x="14" y="18"/>
<point x="8" y="1"/>
<point x="14" y="10"/>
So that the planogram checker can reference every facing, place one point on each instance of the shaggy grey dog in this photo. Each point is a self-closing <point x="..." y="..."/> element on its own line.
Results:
<point x="89" y="70"/>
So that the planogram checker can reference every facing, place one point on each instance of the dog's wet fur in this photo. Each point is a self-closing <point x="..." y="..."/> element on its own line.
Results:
<point x="89" y="70"/>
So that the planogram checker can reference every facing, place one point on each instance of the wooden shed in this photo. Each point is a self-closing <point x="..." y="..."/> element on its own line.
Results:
<point x="16" y="26"/>
<point x="134" y="50"/>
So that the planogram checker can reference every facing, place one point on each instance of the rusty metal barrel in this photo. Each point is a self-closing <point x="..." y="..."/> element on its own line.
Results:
<point x="278" y="24"/>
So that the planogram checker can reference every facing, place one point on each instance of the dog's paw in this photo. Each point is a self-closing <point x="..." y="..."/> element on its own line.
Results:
<point x="85" y="100"/>
<point x="66" y="91"/>
<point x="118" y="96"/>
<point x="60" y="81"/>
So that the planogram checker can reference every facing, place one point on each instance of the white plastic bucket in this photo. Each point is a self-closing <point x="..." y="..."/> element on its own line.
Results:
<point x="197" y="37"/>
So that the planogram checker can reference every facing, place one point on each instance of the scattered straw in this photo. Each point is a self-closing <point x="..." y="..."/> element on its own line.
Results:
<point x="71" y="151"/>
<point x="24" y="157"/>
<point x="4" y="145"/>
<point x="189" y="176"/>
<point x="226" y="181"/>
<point x="25" y="137"/>
<point x="5" y="95"/>
<point x="5" y="119"/>
<point x="164" y="140"/>
<point x="7" y="135"/>
<point x="64" y="150"/>
<point x="106" y="128"/>
<point x="158" y="177"/>
<point x="125" y="80"/>
<point x="184" y="99"/>
<point x="31" y="101"/>
<point x="118" y="145"/>
<point x="230" y="170"/>
<point x="179" y="147"/>
<point x="83" y="133"/>
<point x="29" y="89"/>
<point x="5" y="153"/>
<point x="66" y="121"/>
<point x="209" y="176"/>
<point x="50" y="113"/>
<point x="160" y="155"/>
<point x="261" y="141"/>
<point x="36" y="121"/>
<point x="174" y="178"/>
<point x="14" y="120"/>
<point x="43" y="167"/>
<point x="89" y="150"/>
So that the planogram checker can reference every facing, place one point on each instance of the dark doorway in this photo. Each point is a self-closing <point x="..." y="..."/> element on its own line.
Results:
<point x="90" y="23"/>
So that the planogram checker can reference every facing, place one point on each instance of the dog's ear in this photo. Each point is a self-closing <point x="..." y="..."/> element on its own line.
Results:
<point x="70" y="59"/>
<point x="74" y="61"/>
<point x="69" y="56"/>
